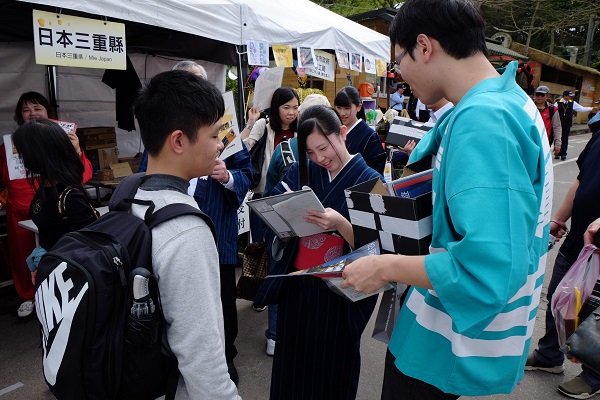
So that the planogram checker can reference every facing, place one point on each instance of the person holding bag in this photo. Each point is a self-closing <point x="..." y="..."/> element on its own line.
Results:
<point x="281" y="125"/>
<point x="318" y="331"/>
<point x="581" y="207"/>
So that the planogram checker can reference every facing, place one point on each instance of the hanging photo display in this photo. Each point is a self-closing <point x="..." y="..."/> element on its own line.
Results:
<point x="258" y="53"/>
<point x="283" y="55"/>
<point x="325" y="66"/>
<point x="355" y="62"/>
<point x="306" y="57"/>
<point x="369" y="61"/>
<point x="343" y="59"/>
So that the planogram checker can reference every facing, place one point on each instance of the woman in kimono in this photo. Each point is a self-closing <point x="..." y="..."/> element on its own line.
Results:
<point x="318" y="331"/>
<point x="360" y="137"/>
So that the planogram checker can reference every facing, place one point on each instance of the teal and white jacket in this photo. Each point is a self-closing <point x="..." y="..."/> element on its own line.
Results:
<point x="492" y="202"/>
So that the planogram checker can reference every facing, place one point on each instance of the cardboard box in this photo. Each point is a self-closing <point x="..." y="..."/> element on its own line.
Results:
<point x="134" y="162"/>
<point x="102" y="158"/>
<point x="100" y="137"/>
<point x="401" y="225"/>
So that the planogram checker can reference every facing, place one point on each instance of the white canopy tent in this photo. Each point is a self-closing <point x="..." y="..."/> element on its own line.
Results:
<point x="158" y="33"/>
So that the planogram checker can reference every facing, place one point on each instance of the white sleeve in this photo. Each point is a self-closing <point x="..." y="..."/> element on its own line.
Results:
<point x="579" y="108"/>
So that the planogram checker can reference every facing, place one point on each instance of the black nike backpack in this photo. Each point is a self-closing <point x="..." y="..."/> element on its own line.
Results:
<point x="92" y="347"/>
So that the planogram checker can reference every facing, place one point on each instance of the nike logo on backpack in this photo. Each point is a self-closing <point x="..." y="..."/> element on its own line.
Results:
<point x="50" y="309"/>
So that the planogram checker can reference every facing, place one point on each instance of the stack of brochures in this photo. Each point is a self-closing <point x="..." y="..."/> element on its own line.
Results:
<point x="411" y="186"/>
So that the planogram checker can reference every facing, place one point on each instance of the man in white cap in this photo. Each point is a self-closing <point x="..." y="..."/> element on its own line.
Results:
<point x="566" y="107"/>
<point x="550" y="117"/>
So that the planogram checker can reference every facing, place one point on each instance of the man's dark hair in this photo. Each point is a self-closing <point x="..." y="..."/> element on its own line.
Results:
<point x="176" y="100"/>
<point x="456" y="24"/>
<point x="281" y="96"/>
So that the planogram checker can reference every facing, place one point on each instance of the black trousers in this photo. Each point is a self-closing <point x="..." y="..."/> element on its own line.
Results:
<point x="228" y="299"/>
<point x="397" y="386"/>
<point x="566" y="130"/>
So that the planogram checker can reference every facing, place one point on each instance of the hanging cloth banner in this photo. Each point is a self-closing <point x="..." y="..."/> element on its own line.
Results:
<point x="78" y="42"/>
<point x="325" y="66"/>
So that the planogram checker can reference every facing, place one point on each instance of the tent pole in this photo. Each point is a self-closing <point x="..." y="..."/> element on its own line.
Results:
<point x="51" y="75"/>
<point x="241" y="81"/>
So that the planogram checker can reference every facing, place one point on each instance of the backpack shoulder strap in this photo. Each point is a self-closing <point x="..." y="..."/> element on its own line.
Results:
<point x="287" y="153"/>
<point x="171" y="211"/>
<point x="126" y="190"/>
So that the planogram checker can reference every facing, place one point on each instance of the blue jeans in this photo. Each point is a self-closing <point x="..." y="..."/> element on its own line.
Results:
<point x="271" y="332"/>
<point x="548" y="350"/>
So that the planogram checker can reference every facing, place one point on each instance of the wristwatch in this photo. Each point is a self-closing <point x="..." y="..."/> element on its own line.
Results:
<point x="249" y="127"/>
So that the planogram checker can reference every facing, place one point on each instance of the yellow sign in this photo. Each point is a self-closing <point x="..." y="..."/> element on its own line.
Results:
<point x="283" y="55"/>
<point x="78" y="42"/>
<point x="381" y="67"/>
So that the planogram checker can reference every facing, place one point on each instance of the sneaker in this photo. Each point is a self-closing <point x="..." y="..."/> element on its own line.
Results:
<point x="533" y="364"/>
<point x="270" y="347"/>
<point x="233" y="373"/>
<point x="563" y="158"/>
<point x="557" y="157"/>
<point x="576" y="388"/>
<point x="259" y="309"/>
<point x="26" y="308"/>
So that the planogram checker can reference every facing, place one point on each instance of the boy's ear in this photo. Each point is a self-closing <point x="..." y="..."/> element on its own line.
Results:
<point x="424" y="46"/>
<point x="176" y="141"/>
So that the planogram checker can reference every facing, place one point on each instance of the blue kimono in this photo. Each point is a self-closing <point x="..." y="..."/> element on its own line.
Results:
<point x="363" y="140"/>
<point x="318" y="331"/>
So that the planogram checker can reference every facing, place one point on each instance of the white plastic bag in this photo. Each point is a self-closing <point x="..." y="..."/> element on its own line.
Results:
<point x="573" y="290"/>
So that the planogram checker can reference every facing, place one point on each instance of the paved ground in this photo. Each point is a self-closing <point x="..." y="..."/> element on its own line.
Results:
<point x="20" y="365"/>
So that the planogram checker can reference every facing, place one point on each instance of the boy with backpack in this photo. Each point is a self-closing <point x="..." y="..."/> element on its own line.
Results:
<point x="179" y="115"/>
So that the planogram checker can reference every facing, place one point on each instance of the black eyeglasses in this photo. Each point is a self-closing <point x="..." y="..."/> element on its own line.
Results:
<point x="541" y="94"/>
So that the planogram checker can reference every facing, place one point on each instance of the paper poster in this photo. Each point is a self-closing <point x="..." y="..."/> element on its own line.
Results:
<point x="355" y="62"/>
<point x="283" y="55"/>
<point x="244" y="215"/>
<point x="369" y="61"/>
<point x="343" y="59"/>
<point x="16" y="169"/>
<point x="325" y="66"/>
<point x="306" y="57"/>
<point x="381" y="67"/>
<point x="258" y="53"/>
<point x="267" y="82"/>
<point x="229" y="132"/>
<point x="61" y="39"/>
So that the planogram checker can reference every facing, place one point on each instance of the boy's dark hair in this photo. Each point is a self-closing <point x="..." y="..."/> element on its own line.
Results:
<point x="34" y="98"/>
<point x="281" y="96"/>
<point x="48" y="154"/>
<point x="176" y="100"/>
<point x="456" y="24"/>
<point x="324" y="120"/>
<point x="346" y="97"/>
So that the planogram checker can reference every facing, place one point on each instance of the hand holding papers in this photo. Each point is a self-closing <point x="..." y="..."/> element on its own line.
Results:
<point x="284" y="213"/>
<point x="331" y="272"/>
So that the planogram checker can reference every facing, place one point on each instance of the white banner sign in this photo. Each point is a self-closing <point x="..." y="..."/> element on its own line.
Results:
<point x="244" y="216"/>
<point x="325" y="66"/>
<point x="78" y="42"/>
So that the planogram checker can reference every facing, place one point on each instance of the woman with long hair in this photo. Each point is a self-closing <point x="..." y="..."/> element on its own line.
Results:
<point x="318" y="331"/>
<point x="31" y="105"/>
<point x="360" y="137"/>
<point x="60" y="203"/>
<point x="281" y="125"/>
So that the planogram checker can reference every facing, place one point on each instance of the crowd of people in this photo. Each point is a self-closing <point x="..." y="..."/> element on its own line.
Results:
<point x="472" y="301"/>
